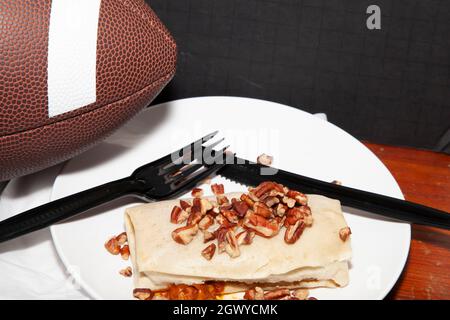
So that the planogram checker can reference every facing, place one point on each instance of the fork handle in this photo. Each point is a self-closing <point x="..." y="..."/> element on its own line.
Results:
<point x="64" y="208"/>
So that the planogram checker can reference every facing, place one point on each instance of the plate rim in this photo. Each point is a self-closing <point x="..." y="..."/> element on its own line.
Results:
<point x="383" y="293"/>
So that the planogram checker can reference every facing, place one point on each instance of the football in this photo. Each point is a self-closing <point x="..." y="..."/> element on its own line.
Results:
<point x="73" y="71"/>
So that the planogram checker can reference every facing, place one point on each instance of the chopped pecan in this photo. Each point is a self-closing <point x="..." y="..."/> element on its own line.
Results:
<point x="208" y="236"/>
<point x="186" y="234"/>
<point x="231" y="216"/>
<point x="277" y="294"/>
<point x="231" y="245"/>
<point x="122" y="238"/>
<point x="143" y="294"/>
<point x="264" y="159"/>
<point x="221" y="199"/>
<point x="221" y="238"/>
<point x="186" y="206"/>
<point x="217" y="189"/>
<point x="344" y="233"/>
<point x="290" y="202"/>
<point x="205" y="206"/>
<point x="178" y="215"/>
<point x="271" y="201"/>
<point x="206" y="222"/>
<point x="266" y="187"/>
<point x="125" y="252"/>
<point x="255" y="293"/>
<point x="241" y="207"/>
<point x="112" y="245"/>
<point x="298" y="196"/>
<point x="197" y="193"/>
<point x="293" y="232"/>
<point x="262" y="210"/>
<point x="299" y="213"/>
<point x="127" y="272"/>
<point x="209" y="251"/>
<point x="245" y="237"/>
<point x="247" y="200"/>
<point x="301" y="294"/>
<point x="194" y="218"/>
<point x="281" y="209"/>
<point x="262" y="226"/>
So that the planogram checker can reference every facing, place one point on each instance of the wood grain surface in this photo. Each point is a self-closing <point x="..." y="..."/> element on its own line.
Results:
<point x="424" y="177"/>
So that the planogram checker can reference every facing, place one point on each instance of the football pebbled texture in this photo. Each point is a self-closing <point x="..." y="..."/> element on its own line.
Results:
<point x="134" y="58"/>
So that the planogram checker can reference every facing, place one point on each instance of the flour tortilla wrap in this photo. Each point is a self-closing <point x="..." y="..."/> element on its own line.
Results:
<point x="318" y="259"/>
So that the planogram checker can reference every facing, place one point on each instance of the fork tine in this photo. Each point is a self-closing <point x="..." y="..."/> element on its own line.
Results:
<point x="172" y="168"/>
<point x="176" y="154"/>
<point x="182" y="181"/>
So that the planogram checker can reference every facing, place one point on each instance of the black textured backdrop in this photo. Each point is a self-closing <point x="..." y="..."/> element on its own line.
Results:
<point x="390" y="85"/>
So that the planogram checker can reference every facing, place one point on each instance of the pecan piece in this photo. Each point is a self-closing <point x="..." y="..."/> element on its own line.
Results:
<point x="262" y="210"/>
<point x="122" y="238"/>
<point x="209" y="251"/>
<point x="290" y="202"/>
<point x="178" y="215"/>
<point x="208" y="236"/>
<point x="271" y="201"/>
<point x="206" y="222"/>
<point x="231" y="216"/>
<point x="127" y="272"/>
<point x="301" y="294"/>
<point x="344" y="233"/>
<point x="112" y="245"/>
<point x="246" y="198"/>
<point x="205" y="206"/>
<point x="264" y="159"/>
<point x="277" y="294"/>
<point x="266" y="187"/>
<point x="262" y="226"/>
<point x="293" y="232"/>
<point x="298" y="196"/>
<point x="281" y="209"/>
<point x="221" y="199"/>
<point x="245" y="237"/>
<point x="143" y="294"/>
<point x="231" y="244"/>
<point x="255" y="293"/>
<point x="194" y="218"/>
<point x="299" y="213"/>
<point x="197" y="193"/>
<point x="217" y="189"/>
<point x="125" y="252"/>
<point x="186" y="206"/>
<point x="220" y="234"/>
<point x="186" y="234"/>
<point x="241" y="207"/>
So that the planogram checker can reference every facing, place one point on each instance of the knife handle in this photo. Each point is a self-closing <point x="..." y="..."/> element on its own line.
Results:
<point x="64" y="208"/>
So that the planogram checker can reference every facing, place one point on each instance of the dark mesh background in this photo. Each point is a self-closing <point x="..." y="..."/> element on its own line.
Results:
<point x="390" y="85"/>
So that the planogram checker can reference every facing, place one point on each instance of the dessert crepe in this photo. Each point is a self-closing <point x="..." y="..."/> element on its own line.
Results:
<point x="318" y="259"/>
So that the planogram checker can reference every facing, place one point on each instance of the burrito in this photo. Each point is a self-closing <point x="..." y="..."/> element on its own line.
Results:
<point x="318" y="258"/>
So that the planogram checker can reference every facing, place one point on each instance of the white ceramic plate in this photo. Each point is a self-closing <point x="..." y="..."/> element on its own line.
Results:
<point x="298" y="141"/>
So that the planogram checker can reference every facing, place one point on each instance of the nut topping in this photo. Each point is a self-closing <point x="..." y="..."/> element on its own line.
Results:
<point x="271" y="201"/>
<point x="206" y="222"/>
<point x="209" y="251"/>
<point x="264" y="159"/>
<point x="298" y="196"/>
<point x="197" y="192"/>
<point x="293" y="232"/>
<point x="255" y="293"/>
<point x="178" y="215"/>
<point x="125" y="252"/>
<point x="186" y="206"/>
<point x="245" y="237"/>
<point x="261" y="225"/>
<point x="248" y="200"/>
<point x="122" y="238"/>
<point x="262" y="210"/>
<point x="231" y="245"/>
<point x="344" y="233"/>
<point x="208" y="236"/>
<point x="290" y="202"/>
<point x="217" y="189"/>
<point x="241" y="207"/>
<point x="112" y="245"/>
<point x="301" y="294"/>
<point x="143" y="294"/>
<point x="127" y="272"/>
<point x="186" y="234"/>
<point x="277" y="294"/>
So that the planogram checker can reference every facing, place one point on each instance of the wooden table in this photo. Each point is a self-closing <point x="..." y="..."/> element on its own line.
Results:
<point x="424" y="177"/>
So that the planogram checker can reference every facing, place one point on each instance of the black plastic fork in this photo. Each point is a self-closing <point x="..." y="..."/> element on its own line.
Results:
<point x="164" y="178"/>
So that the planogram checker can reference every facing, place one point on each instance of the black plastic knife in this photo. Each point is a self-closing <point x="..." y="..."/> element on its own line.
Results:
<point x="251" y="174"/>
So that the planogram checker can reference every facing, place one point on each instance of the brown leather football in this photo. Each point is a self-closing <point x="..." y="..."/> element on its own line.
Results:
<point x="73" y="71"/>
